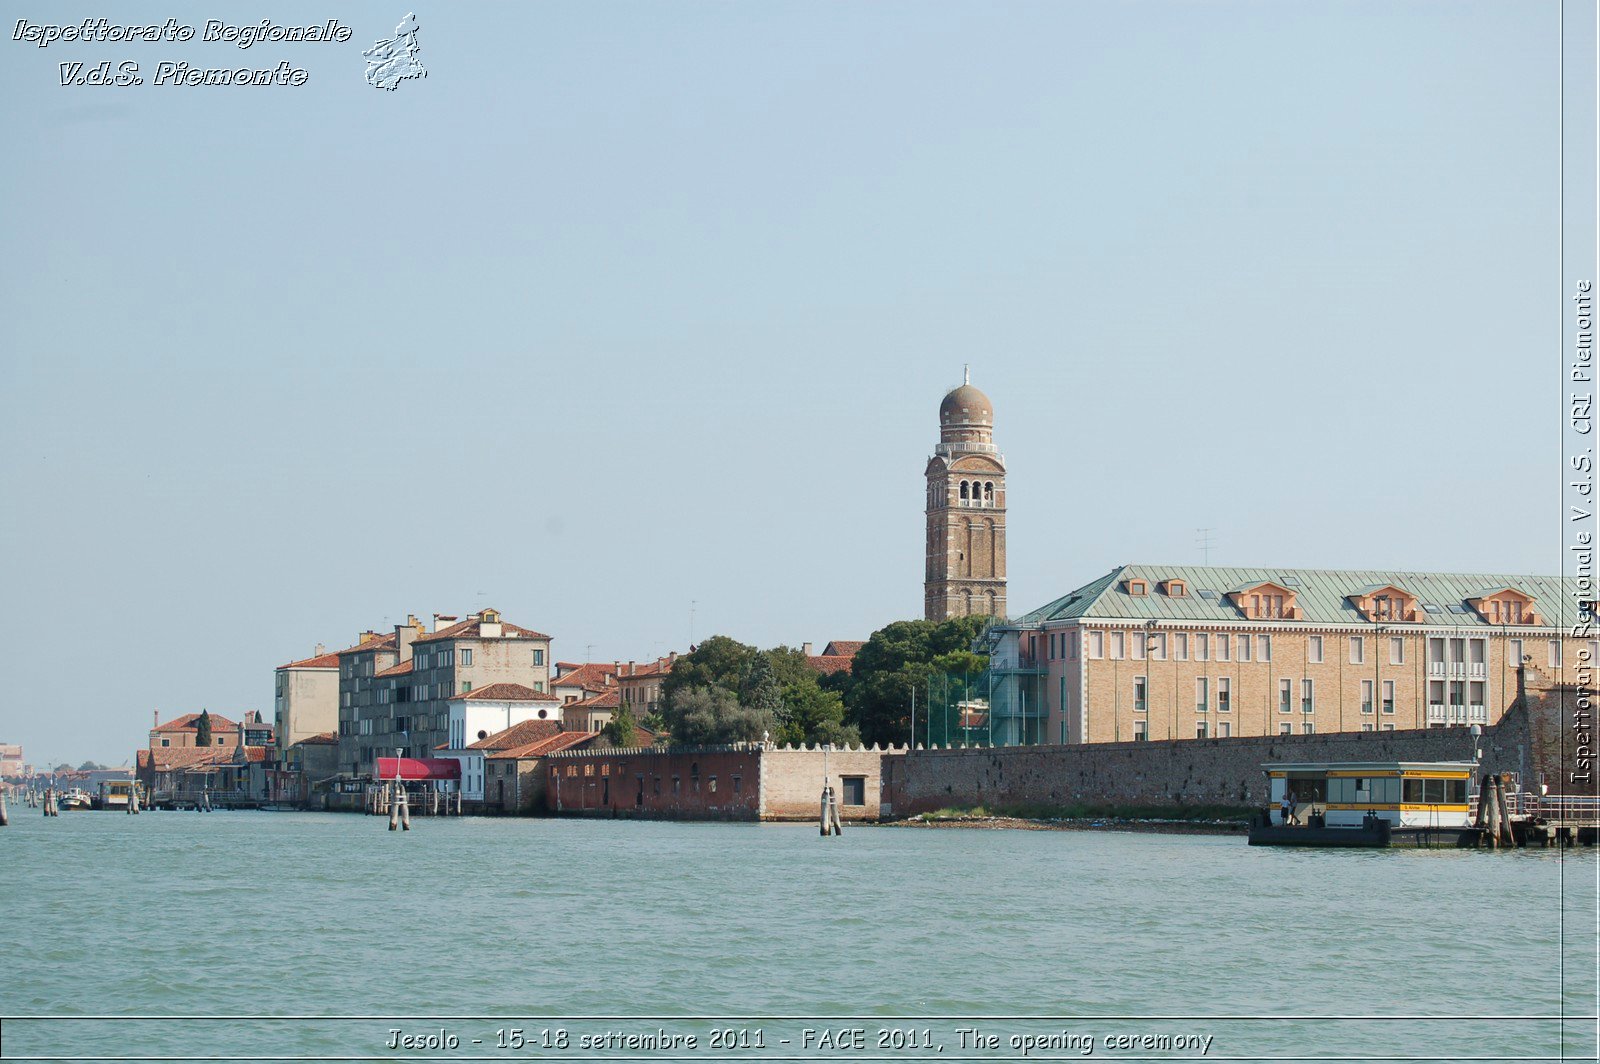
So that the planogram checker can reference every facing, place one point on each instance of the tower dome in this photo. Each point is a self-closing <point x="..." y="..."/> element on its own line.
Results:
<point x="966" y="405"/>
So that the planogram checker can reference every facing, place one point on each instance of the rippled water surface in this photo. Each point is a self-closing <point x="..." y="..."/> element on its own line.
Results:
<point x="512" y="924"/>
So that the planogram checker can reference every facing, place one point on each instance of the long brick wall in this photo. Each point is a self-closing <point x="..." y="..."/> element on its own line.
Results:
<point x="1182" y="772"/>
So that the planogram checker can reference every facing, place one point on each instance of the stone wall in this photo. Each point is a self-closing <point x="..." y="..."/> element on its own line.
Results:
<point x="1183" y="772"/>
<point x="791" y="782"/>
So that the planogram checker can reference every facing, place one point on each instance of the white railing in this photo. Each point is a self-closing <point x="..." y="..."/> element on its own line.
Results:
<point x="1435" y="712"/>
<point x="1478" y="714"/>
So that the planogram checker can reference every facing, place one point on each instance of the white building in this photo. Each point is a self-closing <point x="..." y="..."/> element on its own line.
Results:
<point x="487" y="712"/>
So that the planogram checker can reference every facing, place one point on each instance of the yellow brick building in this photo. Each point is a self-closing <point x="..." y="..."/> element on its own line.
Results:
<point x="1172" y="652"/>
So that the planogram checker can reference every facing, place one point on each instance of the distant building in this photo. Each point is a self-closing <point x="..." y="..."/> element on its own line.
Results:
<point x="592" y="713"/>
<point x="837" y="656"/>
<point x="305" y="698"/>
<point x="965" y="571"/>
<point x="184" y="731"/>
<point x="1164" y="651"/>
<point x="639" y="686"/>
<point x="514" y="776"/>
<point x="11" y="763"/>
<point x="472" y="755"/>
<point x="574" y="682"/>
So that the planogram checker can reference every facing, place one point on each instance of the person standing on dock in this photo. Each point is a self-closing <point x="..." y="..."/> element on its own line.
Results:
<point x="1288" y="807"/>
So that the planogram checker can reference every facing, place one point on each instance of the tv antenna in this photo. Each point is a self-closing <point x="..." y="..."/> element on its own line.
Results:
<point x="1205" y="543"/>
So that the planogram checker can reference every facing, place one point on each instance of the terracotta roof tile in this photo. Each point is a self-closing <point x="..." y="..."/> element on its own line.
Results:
<point x="326" y="738"/>
<point x="539" y="747"/>
<point x="321" y="661"/>
<point x="189" y="722"/>
<point x="593" y="676"/>
<point x="382" y="642"/>
<point x="504" y="692"/>
<point x="830" y="663"/>
<point x="518" y="735"/>
<point x="470" y="629"/>
<point x="658" y="667"/>
<point x="604" y="700"/>
<point x="396" y="670"/>
<point x="848" y="647"/>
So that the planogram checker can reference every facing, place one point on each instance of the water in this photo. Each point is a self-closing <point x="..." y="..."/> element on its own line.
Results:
<point x="512" y="924"/>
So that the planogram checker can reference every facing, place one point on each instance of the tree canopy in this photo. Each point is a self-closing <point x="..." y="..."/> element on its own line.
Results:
<point x="899" y="658"/>
<point x="202" y="729"/>
<point x="728" y="688"/>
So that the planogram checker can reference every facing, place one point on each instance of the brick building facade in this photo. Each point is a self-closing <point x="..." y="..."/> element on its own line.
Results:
<point x="965" y="569"/>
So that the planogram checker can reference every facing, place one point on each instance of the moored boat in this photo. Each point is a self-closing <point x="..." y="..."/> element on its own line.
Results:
<point x="1370" y="804"/>
<point x="77" y="798"/>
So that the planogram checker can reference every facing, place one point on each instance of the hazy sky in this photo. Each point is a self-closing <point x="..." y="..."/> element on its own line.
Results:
<point x="629" y="306"/>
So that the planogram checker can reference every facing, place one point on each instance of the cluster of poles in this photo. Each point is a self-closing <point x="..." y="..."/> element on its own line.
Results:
<point x="1494" y="813"/>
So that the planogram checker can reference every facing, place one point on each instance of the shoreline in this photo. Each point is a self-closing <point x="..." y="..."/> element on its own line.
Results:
<point x="1142" y="825"/>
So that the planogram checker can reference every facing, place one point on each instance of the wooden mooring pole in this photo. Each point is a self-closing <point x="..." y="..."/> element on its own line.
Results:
<point x="394" y="808"/>
<point x="5" y="818"/>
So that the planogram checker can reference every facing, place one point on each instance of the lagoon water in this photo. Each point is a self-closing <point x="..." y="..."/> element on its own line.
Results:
<point x="585" y="927"/>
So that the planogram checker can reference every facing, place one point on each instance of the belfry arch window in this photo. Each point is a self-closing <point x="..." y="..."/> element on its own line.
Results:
<point x="964" y="495"/>
<point x="988" y="493"/>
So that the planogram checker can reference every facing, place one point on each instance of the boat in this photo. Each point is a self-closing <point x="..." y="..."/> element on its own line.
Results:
<point x="77" y="798"/>
<point x="1369" y="804"/>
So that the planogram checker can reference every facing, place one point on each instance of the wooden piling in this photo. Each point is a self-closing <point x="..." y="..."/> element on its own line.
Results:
<point x="394" y="810"/>
<point x="5" y="818"/>
<point x="405" y="809"/>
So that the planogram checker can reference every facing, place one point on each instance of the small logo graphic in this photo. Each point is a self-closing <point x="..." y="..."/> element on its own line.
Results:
<point x="393" y="61"/>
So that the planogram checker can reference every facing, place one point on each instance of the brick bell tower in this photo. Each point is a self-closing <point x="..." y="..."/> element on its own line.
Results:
<point x="966" y="549"/>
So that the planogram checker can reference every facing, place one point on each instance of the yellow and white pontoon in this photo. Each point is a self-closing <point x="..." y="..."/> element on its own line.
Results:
<point x="1365" y="803"/>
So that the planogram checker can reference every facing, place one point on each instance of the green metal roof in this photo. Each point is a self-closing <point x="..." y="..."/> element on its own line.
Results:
<point x="1321" y="594"/>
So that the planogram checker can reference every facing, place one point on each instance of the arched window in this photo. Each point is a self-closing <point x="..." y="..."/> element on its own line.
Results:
<point x="964" y="489"/>
<point x="988" y="492"/>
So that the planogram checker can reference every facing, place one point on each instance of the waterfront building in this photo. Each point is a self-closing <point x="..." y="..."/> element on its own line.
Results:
<point x="183" y="731"/>
<point x="305" y="699"/>
<point x="965" y="570"/>
<point x="514" y="777"/>
<point x="574" y="682"/>
<point x="472" y="755"/>
<point x="1154" y="651"/>
<point x="11" y="763"/>
<point x="395" y="690"/>
<point x="639" y="686"/>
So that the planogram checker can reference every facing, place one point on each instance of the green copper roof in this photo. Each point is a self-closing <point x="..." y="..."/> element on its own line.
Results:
<point x="1323" y="595"/>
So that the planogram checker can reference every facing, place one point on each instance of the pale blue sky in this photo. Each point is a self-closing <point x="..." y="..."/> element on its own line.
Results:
<point x="629" y="305"/>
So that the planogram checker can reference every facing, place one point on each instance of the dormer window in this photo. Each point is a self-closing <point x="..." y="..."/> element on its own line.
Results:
<point x="1175" y="589"/>
<point x="1265" y="601"/>
<point x="1385" y="602"/>
<point x="1138" y="588"/>
<point x="1505" y="605"/>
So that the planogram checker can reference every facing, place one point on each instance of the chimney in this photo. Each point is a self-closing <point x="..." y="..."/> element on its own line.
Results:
<point x="805" y="648"/>
<point x="630" y="668"/>
<point x="155" y="718"/>
<point x="241" y="732"/>
<point x="443" y="620"/>
<point x="321" y="650"/>
<point x="403" y="636"/>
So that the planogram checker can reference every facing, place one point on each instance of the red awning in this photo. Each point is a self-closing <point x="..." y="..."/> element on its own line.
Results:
<point x="419" y="768"/>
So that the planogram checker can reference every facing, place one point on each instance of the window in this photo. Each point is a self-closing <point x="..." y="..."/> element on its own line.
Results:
<point x="166" y="742"/>
<point x="1052" y="646"/>
<point x="1224" y="729"/>
<point x="711" y="784"/>
<point x="1245" y="643"/>
<point x="1388" y="696"/>
<point x="538" y="656"/>
<point x="1200" y="693"/>
<point x="466" y="655"/>
<point x="736" y="784"/>
<point x="1285" y="728"/>
<point x="1514" y="653"/>
<point x="1308" y="696"/>
<point x="1158" y="646"/>
<point x="1138" y="588"/>
<point x="1285" y="695"/>
<point x="1314" y="650"/>
<point x="1555" y="653"/>
<point x="1224" y="694"/>
<point x="1180" y="646"/>
<point x="855" y="790"/>
<point x="1397" y="650"/>
<point x="1222" y="646"/>
<point x="1137" y="643"/>
<point x="1139" y="693"/>
<point x="1097" y="644"/>
<point x="1116" y="645"/>
<point x="1177" y="588"/>
<point x="1199" y="729"/>
<point x="1139" y="733"/>
<point x="1308" y="728"/>
<point x="1202" y="646"/>
<point x="1266" y="647"/>
<point x="1366" y="696"/>
<point x="466" y="686"/>
<point x="1071" y="639"/>
<point x="1358" y="650"/>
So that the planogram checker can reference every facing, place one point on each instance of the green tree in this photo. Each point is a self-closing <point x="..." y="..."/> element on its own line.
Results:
<point x="619" y="730"/>
<point x="709" y="715"/>
<point x="814" y="716"/>
<point x="899" y="658"/>
<point x="717" y="662"/>
<point x="760" y="690"/>
<point x="202" y="729"/>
